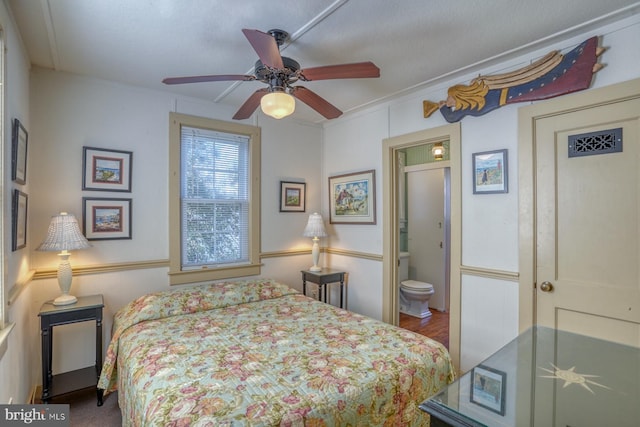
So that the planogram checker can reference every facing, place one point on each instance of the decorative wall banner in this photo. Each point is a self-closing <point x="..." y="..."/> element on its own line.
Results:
<point x="553" y="75"/>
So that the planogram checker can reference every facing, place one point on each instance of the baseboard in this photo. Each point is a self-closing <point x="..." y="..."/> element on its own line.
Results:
<point x="35" y="391"/>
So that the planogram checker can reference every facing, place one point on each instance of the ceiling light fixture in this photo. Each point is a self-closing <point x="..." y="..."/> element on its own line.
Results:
<point x="278" y="104"/>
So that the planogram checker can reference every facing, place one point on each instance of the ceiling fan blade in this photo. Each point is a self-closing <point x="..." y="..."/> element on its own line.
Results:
<point x="250" y="105"/>
<point x="358" y="70"/>
<point x="212" y="78"/>
<point x="266" y="47"/>
<point x="316" y="102"/>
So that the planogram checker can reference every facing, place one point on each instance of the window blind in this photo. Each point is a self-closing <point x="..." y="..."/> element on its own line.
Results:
<point x="214" y="198"/>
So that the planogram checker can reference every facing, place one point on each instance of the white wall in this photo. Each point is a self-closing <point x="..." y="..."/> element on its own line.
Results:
<point x="353" y="145"/>
<point x="16" y="364"/>
<point x="489" y="222"/>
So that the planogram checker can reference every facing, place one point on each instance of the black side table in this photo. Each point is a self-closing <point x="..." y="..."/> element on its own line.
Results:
<point x="322" y="279"/>
<point x="85" y="309"/>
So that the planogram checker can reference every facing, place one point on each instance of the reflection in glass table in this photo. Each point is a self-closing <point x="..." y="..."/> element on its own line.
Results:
<point x="543" y="378"/>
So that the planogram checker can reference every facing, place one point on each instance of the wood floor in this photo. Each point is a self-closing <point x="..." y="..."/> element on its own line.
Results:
<point x="435" y="327"/>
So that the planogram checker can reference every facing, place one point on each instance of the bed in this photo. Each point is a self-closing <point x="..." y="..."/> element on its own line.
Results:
<point x="259" y="353"/>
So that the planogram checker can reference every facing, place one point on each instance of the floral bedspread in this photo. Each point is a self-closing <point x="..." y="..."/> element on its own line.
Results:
<point x="257" y="353"/>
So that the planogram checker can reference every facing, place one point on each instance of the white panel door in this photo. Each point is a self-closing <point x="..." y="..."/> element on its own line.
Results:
<point x="425" y="206"/>
<point x="588" y="222"/>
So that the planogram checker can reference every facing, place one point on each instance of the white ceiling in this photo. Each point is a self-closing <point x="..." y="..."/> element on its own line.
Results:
<point x="413" y="42"/>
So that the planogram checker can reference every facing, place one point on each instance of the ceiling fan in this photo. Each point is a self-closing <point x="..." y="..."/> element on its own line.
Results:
<point x="280" y="73"/>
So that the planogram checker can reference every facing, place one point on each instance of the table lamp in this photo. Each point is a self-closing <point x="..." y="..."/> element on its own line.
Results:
<point x="64" y="235"/>
<point x="315" y="229"/>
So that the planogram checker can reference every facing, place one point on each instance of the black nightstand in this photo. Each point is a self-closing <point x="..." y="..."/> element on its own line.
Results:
<point x="322" y="279"/>
<point x="85" y="309"/>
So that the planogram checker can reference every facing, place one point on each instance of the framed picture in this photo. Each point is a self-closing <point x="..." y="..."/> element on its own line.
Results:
<point x="106" y="170"/>
<point x="292" y="196"/>
<point x="490" y="172"/>
<point x="19" y="139"/>
<point x="18" y="220"/>
<point x="488" y="388"/>
<point x="106" y="219"/>
<point x="352" y="198"/>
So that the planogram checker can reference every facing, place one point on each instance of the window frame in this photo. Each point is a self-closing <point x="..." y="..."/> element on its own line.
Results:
<point x="177" y="275"/>
<point x="4" y="286"/>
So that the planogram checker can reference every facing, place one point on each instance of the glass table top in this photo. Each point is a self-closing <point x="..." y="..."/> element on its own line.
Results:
<point x="543" y="378"/>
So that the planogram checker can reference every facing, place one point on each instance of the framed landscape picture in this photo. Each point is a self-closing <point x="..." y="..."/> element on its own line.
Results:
<point x="352" y="198"/>
<point x="20" y="138"/>
<point x="292" y="196"/>
<point x="18" y="220"/>
<point x="106" y="219"/>
<point x="490" y="172"/>
<point x="106" y="170"/>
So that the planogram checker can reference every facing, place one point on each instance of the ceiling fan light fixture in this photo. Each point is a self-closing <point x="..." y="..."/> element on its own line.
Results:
<point x="278" y="104"/>
<point x="280" y="73"/>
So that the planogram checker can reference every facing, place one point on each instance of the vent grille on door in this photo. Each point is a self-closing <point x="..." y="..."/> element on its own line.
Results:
<point x="601" y="142"/>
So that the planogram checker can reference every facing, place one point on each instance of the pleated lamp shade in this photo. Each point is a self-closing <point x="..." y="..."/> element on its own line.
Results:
<point x="315" y="226"/>
<point x="315" y="229"/>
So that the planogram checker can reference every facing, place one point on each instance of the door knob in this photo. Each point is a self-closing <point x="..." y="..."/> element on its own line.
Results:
<point x="546" y="287"/>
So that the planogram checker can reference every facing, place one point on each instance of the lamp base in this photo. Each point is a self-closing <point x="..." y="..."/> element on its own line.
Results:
<point x="315" y="268"/>
<point x="65" y="300"/>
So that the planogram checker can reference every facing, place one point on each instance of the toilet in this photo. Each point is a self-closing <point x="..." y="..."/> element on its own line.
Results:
<point x="414" y="295"/>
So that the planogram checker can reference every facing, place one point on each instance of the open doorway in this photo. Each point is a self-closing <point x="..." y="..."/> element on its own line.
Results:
<point x="392" y="219"/>
<point x="424" y="195"/>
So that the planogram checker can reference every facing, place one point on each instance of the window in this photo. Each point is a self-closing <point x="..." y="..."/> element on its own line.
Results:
<point x="214" y="193"/>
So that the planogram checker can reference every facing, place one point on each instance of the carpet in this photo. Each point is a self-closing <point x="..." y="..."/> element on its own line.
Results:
<point x="84" y="409"/>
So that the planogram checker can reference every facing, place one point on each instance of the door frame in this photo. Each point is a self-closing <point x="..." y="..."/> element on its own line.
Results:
<point x="527" y="117"/>
<point x="390" y="225"/>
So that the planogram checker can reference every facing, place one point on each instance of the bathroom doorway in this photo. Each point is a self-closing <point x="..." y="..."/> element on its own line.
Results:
<point x="424" y="201"/>
<point x="391" y="224"/>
